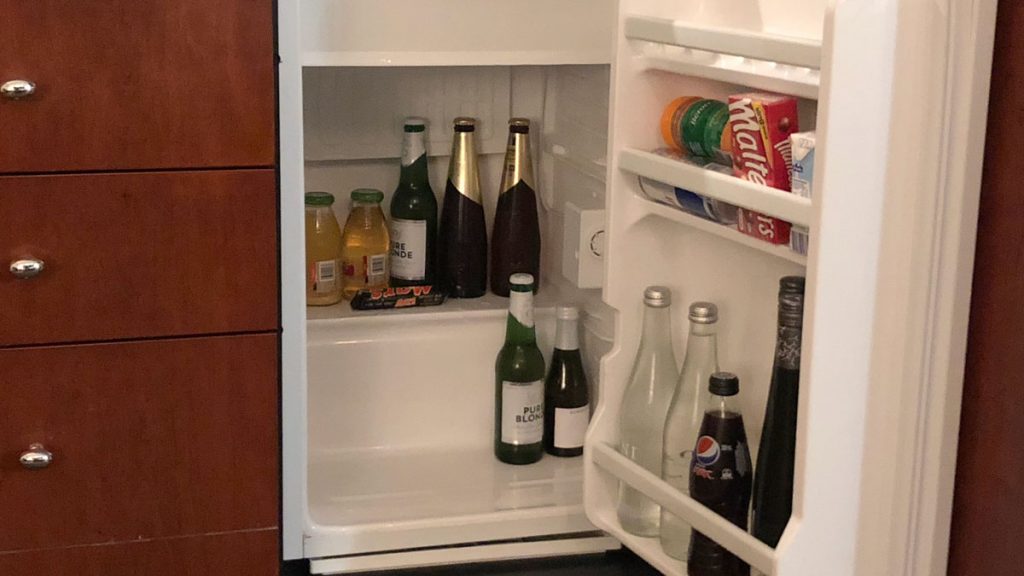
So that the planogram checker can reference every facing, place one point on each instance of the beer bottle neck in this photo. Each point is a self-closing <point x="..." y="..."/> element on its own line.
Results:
<point x="463" y="173"/>
<point x="567" y="334"/>
<point x="414" y="160"/>
<point x="520" y="327"/>
<point x="789" y="338"/>
<point x="518" y="167"/>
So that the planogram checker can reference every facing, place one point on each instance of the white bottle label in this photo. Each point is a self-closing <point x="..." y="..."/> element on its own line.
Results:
<point x="408" y="249"/>
<point x="325" y="276"/>
<point x="413" y="146"/>
<point x="571" y="426"/>
<point x="522" y="412"/>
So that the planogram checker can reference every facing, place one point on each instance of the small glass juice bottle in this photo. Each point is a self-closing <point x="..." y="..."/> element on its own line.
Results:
<point x="323" y="251"/>
<point x="364" y="244"/>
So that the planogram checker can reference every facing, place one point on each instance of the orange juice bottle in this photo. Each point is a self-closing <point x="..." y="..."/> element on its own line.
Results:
<point x="323" y="251"/>
<point x="364" y="244"/>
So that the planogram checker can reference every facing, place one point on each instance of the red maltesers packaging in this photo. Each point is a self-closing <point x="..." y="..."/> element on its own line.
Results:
<point x="761" y="152"/>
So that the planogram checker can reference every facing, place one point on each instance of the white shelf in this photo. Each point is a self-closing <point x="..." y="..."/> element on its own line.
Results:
<point x="770" y="76"/>
<point x="737" y="541"/>
<point x="728" y="232"/>
<point x="386" y="499"/>
<point x="748" y="44"/>
<point x="456" y="32"/>
<point x="489" y="305"/>
<point x="736" y="191"/>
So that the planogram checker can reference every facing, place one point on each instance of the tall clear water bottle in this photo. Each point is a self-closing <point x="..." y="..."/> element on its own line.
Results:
<point x="684" y="419"/>
<point x="644" y="406"/>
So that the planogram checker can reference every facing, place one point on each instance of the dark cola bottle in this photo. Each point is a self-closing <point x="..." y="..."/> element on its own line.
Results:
<point x="720" y="477"/>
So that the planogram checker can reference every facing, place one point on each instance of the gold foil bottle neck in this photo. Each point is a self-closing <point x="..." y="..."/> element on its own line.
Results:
<point x="463" y="172"/>
<point x="518" y="166"/>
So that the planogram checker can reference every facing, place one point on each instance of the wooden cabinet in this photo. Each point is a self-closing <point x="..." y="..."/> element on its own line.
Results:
<point x="247" y="553"/>
<point x="139" y="255"/>
<point x="149" y="439"/>
<point x="138" y="171"/>
<point x="124" y="84"/>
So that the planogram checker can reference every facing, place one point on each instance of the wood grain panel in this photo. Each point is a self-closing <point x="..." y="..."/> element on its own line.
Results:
<point x="151" y="439"/>
<point x="234" y="554"/>
<point x="138" y="84"/>
<point x="139" y="255"/>
<point x="988" y="527"/>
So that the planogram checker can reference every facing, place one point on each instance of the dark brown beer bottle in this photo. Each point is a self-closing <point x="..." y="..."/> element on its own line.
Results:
<point x="462" y="245"/>
<point x="515" y="246"/>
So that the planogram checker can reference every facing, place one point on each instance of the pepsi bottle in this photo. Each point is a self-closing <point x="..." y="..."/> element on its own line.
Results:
<point x="720" y="477"/>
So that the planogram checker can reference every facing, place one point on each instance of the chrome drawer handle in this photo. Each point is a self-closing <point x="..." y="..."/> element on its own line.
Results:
<point x="17" y="89"/>
<point x="27" y="268"/>
<point x="36" y="457"/>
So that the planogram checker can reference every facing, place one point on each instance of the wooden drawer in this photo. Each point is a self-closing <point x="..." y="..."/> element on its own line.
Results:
<point x="139" y="255"/>
<point x="127" y="84"/>
<point x="150" y="439"/>
<point x="233" y="554"/>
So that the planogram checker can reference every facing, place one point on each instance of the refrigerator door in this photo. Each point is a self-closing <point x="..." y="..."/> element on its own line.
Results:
<point x="896" y="92"/>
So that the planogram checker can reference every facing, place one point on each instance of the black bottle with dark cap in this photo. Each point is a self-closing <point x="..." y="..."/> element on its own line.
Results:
<point x="462" y="240"/>
<point x="720" y="477"/>
<point x="773" y="486"/>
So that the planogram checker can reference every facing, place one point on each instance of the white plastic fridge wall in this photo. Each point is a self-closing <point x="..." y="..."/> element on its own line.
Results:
<point x="400" y="403"/>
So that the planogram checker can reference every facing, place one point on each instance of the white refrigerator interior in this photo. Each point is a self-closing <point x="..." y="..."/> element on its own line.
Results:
<point x="388" y="416"/>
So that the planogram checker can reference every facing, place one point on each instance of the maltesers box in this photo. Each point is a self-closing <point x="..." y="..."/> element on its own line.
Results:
<point x="761" y="124"/>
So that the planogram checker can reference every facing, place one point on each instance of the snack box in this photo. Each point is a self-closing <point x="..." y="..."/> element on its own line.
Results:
<point x="761" y="125"/>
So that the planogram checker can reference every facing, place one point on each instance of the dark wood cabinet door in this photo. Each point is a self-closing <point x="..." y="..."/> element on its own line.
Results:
<point x="233" y="554"/>
<point x="987" y="532"/>
<point x="138" y="255"/>
<point x="149" y="439"/>
<point x="133" y="84"/>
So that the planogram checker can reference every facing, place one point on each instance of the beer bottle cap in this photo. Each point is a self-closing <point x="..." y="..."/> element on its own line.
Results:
<point x="319" y="199"/>
<point x="464" y="124"/>
<point x="414" y="124"/>
<point x="367" y="195"/>
<point x="657" y="297"/>
<point x="521" y="279"/>
<point x="519" y="125"/>
<point x="567" y="312"/>
<point x="703" y="313"/>
<point x="724" y="384"/>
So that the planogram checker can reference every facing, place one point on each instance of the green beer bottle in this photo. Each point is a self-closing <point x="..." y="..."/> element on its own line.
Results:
<point x="413" y="213"/>
<point x="519" y="382"/>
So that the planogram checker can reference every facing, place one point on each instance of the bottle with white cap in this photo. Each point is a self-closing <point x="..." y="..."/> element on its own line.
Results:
<point x="413" y="213"/>
<point x="685" y="416"/>
<point x="566" y="398"/>
<point x="644" y="406"/>
<point x="519" y="382"/>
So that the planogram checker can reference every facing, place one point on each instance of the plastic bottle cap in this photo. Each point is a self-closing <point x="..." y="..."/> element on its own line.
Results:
<point x="465" y="124"/>
<point x="703" y="313"/>
<point x="519" y="125"/>
<point x="521" y="279"/>
<point x="567" y="312"/>
<point x="367" y="195"/>
<point x="657" y="297"/>
<point x="319" y="199"/>
<point x="414" y="124"/>
<point x="792" y="284"/>
<point x="724" y="384"/>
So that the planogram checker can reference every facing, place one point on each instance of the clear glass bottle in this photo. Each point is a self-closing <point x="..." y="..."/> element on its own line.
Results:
<point x="644" y="406"/>
<point x="365" y="244"/>
<point x="684" y="419"/>
<point x="323" y="251"/>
